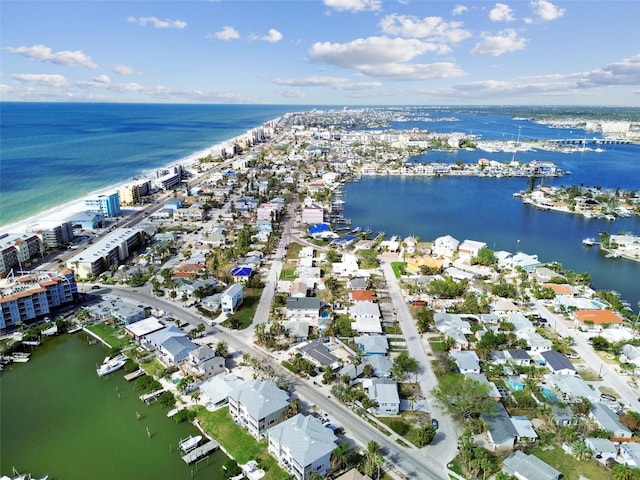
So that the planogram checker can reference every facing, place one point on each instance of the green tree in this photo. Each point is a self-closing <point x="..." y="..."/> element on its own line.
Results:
<point x="222" y="348"/>
<point x="403" y="365"/>
<point x="463" y="398"/>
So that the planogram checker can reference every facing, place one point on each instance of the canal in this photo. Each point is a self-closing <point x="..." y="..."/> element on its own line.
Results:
<point x="58" y="418"/>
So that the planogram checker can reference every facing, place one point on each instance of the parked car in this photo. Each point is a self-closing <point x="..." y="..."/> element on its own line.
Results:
<point x="434" y="423"/>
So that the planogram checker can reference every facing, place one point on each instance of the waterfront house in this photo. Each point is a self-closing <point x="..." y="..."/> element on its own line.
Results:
<point x="384" y="393"/>
<point x="500" y="430"/>
<point x="144" y="327"/>
<point x="469" y="248"/>
<point x="203" y="363"/>
<point x="606" y="419"/>
<point x="312" y="215"/>
<point x="528" y="467"/>
<point x="216" y="389"/>
<point x="302" y="444"/>
<point x="258" y="405"/>
<point x="175" y="349"/>
<point x="445" y="246"/>
<point x="596" y="319"/>
<point x="558" y="363"/>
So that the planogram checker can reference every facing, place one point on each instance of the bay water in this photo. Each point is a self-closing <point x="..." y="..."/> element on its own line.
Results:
<point x="58" y="418"/>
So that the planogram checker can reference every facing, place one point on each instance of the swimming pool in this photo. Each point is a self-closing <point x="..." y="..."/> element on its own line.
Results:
<point x="549" y="395"/>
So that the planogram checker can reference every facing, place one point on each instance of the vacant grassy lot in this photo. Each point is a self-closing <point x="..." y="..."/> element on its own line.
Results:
<point x="112" y="335"/>
<point x="244" y="316"/>
<point x="570" y="467"/>
<point x="398" y="267"/>
<point x="240" y="445"/>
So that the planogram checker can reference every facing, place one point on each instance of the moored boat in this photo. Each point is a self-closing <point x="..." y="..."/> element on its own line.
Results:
<point x="111" y="365"/>
<point x="189" y="443"/>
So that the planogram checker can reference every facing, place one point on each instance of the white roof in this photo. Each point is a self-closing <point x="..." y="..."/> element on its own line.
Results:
<point x="145" y="327"/>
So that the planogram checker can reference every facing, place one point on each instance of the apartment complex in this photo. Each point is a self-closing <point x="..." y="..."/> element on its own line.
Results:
<point x="107" y="205"/>
<point x="53" y="234"/>
<point x="17" y="249"/>
<point x="258" y="405"/>
<point x="32" y="297"/>
<point x="111" y="250"/>
<point x="132" y="193"/>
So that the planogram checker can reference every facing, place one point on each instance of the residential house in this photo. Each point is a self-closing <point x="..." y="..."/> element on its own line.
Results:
<point x="302" y="444"/>
<point x="175" y="349"/>
<point x="367" y="317"/>
<point x="518" y="356"/>
<point x="304" y="308"/>
<point x="415" y="264"/>
<point x="241" y="273"/>
<point x="596" y="319"/>
<point x="216" y="389"/>
<point x="381" y="365"/>
<point x="630" y="354"/>
<point x="258" y="405"/>
<point x="353" y="474"/>
<point x="630" y="454"/>
<point x="232" y="298"/>
<point x="357" y="283"/>
<point x="203" y="363"/>
<point x="516" y="383"/>
<point x="153" y="340"/>
<point x="481" y="378"/>
<point x="362" y="296"/>
<point x="572" y="388"/>
<point x="384" y="393"/>
<point x="500" y="430"/>
<point x="372" y="344"/>
<point x="526" y="262"/>
<point x="524" y="429"/>
<point x="602" y="448"/>
<point x="312" y="215"/>
<point x="347" y="267"/>
<point x="298" y="289"/>
<point x="608" y="420"/>
<point x="562" y="415"/>
<point x="317" y="352"/>
<point x="470" y="248"/>
<point x="467" y="361"/>
<point x="528" y="467"/>
<point x="144" y="327"/>
<point x="445" y="246"/>
<point x="558" y="363"/>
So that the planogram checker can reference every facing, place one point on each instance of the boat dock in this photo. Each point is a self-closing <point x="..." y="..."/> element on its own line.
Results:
<point x="148" y="397"/>
<point x="133" y="375"/>
<point x="201" y="451"/>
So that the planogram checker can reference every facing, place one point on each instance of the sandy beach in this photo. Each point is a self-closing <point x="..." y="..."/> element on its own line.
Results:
<point x="61" y="212"/>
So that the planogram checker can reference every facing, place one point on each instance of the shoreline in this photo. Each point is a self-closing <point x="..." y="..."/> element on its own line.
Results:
<point x="57" y="213"/>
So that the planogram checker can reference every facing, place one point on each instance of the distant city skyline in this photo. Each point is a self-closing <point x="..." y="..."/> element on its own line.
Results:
<point x="322" y="52"/>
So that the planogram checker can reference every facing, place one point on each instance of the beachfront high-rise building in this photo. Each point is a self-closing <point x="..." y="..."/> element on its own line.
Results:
<point x="132" y="193"/>
<point x="53" y="234"/>
<point x="107" y="205"/>
<point x="16" y="250"/>
<point x="34" y="296"/>
<point x="168" y="179"/>
<point x="111" y="250"/>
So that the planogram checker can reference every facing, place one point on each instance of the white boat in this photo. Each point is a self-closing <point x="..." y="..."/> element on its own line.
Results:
<point x="589" y="242"/>
<point x="20" y="357"/>
<point x="189" y="443"/>
<point x="111" y="365"/>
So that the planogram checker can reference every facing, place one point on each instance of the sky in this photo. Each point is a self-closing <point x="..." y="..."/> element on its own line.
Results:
<point x="322" y="52"/>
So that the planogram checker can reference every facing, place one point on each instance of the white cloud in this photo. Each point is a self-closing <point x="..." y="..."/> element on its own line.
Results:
<point x="124" y="70"/>
<point x="227" y="33"/>
<point x="369" y="51"/>
<point x="354" y="5"/>
<point x="292" y="93"/>
<point x="433" y="28"/>
<point x="274" y="36"/>
<point x="624" y="72"/>
<point x="546" y="11"/>
<point x="5" y="88"/>
<point x="102" y="79"/>
<point x="64" y="57"/>
<point x="504" y="42"/>
<point x="501" y="13"/>
<point x="50" y="80"/>
<point x="157" y="23"/>
<point x="459" y="10"/>
<point x="412" y="72"/>
<point x="336" y="83"/>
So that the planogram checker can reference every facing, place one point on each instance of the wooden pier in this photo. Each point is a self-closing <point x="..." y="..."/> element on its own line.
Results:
<point x="201" y="451"/>
<point x="133" y="375"/>
<point x="148" y="397"/>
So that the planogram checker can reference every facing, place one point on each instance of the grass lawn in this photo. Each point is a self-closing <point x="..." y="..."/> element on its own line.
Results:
<point x="436" y="346"/>
<point x="247" y="310"/>
<point x="240" y="445"/>
<point x="398" y="267"/>
<point x="288" y="274"/>
<point x="114" y="336"/>
<point x="569" y="466"/>
<point x="293" y="250"/>
<point x="153" y="367"/>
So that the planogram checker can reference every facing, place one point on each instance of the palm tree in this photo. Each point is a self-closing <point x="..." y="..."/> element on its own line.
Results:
<point x="372" y="451"/>
<point x="341" y="455"/>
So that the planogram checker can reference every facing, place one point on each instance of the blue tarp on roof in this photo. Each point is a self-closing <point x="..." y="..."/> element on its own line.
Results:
<point x="241" y="271"/>
<point x="319" y="228"/>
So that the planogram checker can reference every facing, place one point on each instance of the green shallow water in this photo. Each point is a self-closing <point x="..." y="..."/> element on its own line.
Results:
<point x="57" y="417"/>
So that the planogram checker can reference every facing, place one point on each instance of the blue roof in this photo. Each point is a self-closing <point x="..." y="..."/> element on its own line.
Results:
<point x="346" y="239"/>
<point x="319" y="227"/>
<point x="241" y="271"/>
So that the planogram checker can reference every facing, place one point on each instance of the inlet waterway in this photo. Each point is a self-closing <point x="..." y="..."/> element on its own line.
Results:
<point x="58" y="418"/>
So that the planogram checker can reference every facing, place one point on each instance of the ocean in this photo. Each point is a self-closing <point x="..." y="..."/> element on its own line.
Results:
<point x="54" y="153"/>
